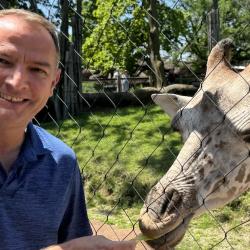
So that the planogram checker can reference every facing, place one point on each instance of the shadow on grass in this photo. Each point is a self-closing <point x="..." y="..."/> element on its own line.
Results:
<point x="161" y="164"/>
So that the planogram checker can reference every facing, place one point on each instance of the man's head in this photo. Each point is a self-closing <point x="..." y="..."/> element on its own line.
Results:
<point x="29" y="54"/>
<point x="36" y="19"/>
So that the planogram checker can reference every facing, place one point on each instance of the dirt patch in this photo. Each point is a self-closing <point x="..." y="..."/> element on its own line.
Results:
<point x="114" y="233"/>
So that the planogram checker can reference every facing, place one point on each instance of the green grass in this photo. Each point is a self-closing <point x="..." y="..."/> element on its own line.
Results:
<point x="122" y="154"/>
<point x="220" y="228"/>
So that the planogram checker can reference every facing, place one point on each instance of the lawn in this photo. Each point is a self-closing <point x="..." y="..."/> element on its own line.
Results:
<point x="122" y="153"/>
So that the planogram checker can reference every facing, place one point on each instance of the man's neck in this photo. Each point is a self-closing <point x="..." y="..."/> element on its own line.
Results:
<point x="10" y="145"/>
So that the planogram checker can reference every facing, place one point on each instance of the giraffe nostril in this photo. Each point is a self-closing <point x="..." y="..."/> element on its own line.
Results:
<point x="246" y="139"/>
<point x="171" y="203"/>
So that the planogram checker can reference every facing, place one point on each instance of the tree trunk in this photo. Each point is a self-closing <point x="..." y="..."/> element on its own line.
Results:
<point x="64" y="46"/>
<point x="77" y="54"/>
<point x="213" y="26"/>
<point x="154" y="45"/>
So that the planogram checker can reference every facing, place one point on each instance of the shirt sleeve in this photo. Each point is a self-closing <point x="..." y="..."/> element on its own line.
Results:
<point x="75" y="221"/>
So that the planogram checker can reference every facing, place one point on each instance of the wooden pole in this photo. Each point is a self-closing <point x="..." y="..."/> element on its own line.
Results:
<point x="213" y="26"/>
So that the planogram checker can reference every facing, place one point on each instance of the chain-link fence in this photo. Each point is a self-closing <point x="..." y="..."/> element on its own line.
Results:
<point x="125" y="143"/>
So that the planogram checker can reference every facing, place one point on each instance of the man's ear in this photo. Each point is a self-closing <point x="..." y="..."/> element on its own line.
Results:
<point x="55" y="82"/>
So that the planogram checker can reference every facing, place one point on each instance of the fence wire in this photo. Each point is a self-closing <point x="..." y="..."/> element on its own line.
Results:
<point x="124" y="151"/>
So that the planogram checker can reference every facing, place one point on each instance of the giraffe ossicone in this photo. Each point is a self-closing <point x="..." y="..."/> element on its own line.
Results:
<point x="213" y="166"/>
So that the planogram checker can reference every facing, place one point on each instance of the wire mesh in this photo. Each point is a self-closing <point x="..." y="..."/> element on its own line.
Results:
<point x="123" y="151"/>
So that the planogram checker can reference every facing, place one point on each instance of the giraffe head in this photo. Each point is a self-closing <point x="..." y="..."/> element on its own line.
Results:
<point x="212" y="167"/>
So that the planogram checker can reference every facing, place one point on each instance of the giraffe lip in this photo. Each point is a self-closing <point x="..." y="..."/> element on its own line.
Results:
<point x="172" y="238"/>
<point x="155" y="229"/>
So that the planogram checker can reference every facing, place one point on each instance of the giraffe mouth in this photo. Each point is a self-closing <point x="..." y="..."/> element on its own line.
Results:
<point x="169" y="239"/>
<point x="166" y="218"/>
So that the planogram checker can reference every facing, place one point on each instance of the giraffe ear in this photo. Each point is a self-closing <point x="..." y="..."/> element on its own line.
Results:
<point x="170" y="103"/>
<point x="220" y="56"/>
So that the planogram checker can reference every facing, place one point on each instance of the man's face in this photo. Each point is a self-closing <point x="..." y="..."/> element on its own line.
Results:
<point x="28" y="71"/>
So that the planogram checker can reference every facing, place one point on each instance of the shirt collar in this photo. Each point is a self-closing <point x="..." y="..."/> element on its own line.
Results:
<point x="33" y="146"/>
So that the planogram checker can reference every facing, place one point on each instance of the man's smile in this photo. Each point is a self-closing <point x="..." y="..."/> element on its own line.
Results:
<point x="11" y="98"/>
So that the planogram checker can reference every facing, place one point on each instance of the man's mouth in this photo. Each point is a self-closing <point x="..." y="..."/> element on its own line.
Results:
<point x="13" y="99"/>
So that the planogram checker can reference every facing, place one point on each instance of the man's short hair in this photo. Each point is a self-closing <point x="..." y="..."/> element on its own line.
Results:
<point x="35" y="18"/>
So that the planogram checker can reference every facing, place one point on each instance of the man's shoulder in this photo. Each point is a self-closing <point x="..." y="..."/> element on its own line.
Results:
<point x="52" y="143"/>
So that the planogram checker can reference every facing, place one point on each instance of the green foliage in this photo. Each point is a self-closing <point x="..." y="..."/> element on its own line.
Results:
<point x="195" y="38"/>
<point x="89" y="20"/>
<point x="115" y="32"/>
<point x="234" y="20"/>
<point x="172" y="27"/>
<point x="120" y="36"/>
<point x="116" y="40"/>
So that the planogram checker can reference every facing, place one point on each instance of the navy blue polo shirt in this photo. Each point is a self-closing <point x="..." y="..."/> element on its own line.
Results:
<point x="41" y="199"/>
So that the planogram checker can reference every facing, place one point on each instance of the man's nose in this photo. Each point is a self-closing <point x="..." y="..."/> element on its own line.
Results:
<point x="17" y="77"/>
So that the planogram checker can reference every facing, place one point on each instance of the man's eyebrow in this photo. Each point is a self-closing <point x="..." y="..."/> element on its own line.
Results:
<point x="43" y="64"/>
<point x="38" y="63"/>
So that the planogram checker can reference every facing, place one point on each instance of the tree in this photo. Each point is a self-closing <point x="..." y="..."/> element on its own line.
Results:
<point x="121" y="37"/>
<point x="234" y="20"/>
<point x="166" y="26"/>
<point x="159" y="79"/>
<point x="117" y="37"/>
<point x="195" y="42"/>
<point x="234" y="23"/>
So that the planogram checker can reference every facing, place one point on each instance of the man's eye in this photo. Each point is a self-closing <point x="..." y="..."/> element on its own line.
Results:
<point x="4" y="61"/>
<point x="39" y="71"/>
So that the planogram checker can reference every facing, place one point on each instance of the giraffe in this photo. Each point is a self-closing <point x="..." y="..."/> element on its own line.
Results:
<point x="212" y="167"/>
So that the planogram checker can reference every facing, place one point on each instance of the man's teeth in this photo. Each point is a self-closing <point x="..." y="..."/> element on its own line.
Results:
<point x="11" y="98"/>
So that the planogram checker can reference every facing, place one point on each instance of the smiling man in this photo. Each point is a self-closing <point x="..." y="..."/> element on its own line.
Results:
<point x="41" y="195"/>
